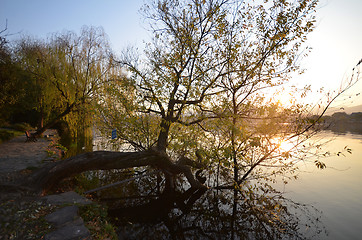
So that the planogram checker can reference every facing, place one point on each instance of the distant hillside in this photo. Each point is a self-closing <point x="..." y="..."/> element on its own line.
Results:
<point x="347" y="110"/>
<point x="353" y="109"/>
<point x="341" y="122"/>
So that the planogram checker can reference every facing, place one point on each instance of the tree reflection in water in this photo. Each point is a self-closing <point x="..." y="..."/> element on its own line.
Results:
<point x="151" y="209"/>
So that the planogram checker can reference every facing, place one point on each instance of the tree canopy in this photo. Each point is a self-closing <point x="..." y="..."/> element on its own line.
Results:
<point x="203" y="79"/>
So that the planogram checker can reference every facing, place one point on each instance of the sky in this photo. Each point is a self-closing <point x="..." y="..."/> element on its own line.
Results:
<point x="337" y="48"/>
<point x="336" y="41"/>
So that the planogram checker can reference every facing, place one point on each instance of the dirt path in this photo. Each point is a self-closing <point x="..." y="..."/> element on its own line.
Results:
<point x="17" y="154"/>
<point x="29" y="216"/>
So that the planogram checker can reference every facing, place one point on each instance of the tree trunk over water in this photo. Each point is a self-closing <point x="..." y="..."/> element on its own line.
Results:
<point x="50" y="175"/>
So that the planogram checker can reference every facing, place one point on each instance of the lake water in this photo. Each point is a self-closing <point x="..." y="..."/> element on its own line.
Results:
<point x="336" y="190"/>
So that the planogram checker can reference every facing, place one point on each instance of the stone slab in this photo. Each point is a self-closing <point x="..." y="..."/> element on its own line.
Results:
<point x="63" y="216"/>
<point x="67" y="198"/>
<point x="69" y="232"/>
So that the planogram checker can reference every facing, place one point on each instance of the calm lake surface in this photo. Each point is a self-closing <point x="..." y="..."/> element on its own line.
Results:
<point x="336" y="190"/>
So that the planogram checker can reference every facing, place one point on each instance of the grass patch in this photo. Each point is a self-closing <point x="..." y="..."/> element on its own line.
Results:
<point x="7" y="134"/>
<point x="95" y="217"/>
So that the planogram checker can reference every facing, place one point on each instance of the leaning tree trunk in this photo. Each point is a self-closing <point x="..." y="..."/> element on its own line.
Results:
<point x="50" y="175"/>
<point x="54" y="121"/>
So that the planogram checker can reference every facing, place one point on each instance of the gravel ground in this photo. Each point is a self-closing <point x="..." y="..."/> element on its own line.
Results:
<point x="22" y="213"/>
<point x="16" y="154"/>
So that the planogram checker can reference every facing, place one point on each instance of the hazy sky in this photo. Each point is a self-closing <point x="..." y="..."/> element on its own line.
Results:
<point x="119" y="18"/>
<point x="336" y="42"/>
<point x="337" y="47"/>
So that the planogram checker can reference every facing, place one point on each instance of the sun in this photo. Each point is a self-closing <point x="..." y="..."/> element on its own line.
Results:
<point x="287" y="96"/>
<point x="284" y="98"/>
<point x="285" y="146"/>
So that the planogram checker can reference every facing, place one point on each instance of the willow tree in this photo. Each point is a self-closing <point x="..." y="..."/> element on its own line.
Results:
<point x="68" y="69"/>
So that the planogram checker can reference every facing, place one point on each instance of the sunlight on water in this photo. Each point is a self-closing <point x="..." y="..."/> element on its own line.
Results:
<point x="336" y="190"/>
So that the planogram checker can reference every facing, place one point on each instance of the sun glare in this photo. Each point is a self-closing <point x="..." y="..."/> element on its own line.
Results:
<point x="285" y="146"/>
<point x="284" y="98"/>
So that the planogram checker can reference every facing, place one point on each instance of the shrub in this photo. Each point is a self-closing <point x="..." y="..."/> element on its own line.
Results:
<point x="7" y="134"/>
